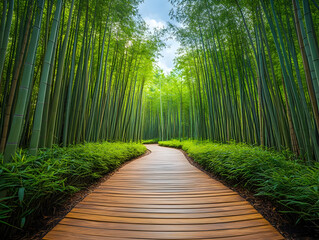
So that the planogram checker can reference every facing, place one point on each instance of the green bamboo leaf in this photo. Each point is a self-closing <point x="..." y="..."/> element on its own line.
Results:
<point x="21" y="194"/>
<point x="22" y="222"/>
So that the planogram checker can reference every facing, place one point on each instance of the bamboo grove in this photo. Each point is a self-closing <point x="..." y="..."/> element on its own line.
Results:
<point x="71" y="71"/>
<point x="164" y="104"/>
<point x="248" y="72"/>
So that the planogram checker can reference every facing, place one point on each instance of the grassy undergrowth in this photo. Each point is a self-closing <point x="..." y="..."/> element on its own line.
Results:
<point x="150" y="141"/>
<point x="286" y="181"/>
<point x="30" y="187"/>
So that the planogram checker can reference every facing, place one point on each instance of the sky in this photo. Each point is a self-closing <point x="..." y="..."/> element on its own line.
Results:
<point x="156" y="15"/>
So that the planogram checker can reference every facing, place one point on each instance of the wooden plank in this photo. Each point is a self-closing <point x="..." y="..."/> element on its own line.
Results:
<point x="162" y="196"/>
<point x="220" y="219"/>
<point x="165" y="206"/>
<point x="163" y="215"/>
<point x="95" y="198"/>
<point x="164" y="235"/>
<point x="147" y="194"/>
<point x="164" y="227"/>
<point x="165" y="210"/>
<point x="69" y="235"/>
<point x="79" y="233"/>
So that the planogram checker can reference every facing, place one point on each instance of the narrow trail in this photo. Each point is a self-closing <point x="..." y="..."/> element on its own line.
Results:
<point x="162" y="196"/>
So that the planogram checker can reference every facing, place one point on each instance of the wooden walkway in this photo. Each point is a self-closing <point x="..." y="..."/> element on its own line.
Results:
<point x="162" y="196"/>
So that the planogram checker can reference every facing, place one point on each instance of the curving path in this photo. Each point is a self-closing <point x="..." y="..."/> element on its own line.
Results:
<point x="162" y="196"/>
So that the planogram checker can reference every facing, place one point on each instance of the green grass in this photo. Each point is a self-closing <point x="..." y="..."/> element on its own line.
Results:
<point x="150" y="141"/>
<point x="283" y="179"/>
<point x="30" y="187"/>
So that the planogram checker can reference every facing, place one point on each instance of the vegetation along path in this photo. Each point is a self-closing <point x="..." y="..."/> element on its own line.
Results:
<point x="162" y="196"/>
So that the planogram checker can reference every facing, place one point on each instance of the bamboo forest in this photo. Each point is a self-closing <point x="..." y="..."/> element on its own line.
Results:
<point x="224" y="139"/>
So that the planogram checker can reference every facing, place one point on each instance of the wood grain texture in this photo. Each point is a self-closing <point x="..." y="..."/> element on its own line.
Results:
<point x="162" y="196"/>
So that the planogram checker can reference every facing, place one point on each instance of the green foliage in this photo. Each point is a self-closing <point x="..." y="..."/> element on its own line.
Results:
<point x="73" y="72"/>
<point x="32" y="186"/>
<point x="241" y="63"/>
<point x="174" y="143"/>
<point x="285" y="180"/>
<point x="166" y="107"/>
<point x="150" y="141"/>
